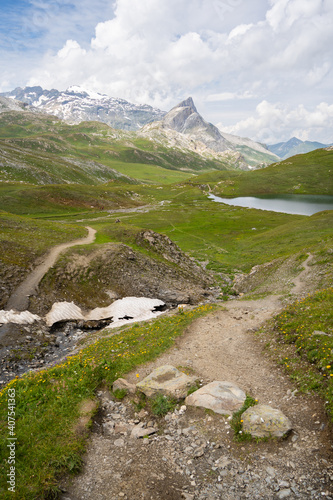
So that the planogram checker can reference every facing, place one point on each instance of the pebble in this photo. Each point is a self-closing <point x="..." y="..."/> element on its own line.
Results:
<point x="119" y="442"/>
<point x="284" y="494"/>
<point x="207" y="468"/>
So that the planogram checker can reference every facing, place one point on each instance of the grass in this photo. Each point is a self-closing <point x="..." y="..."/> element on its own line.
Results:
<point x="22" y="240"/>
<point x="236" y="421"/>
<point x="161" y="405"/>
<point x="48" y="402"/>
<point x="120" y="394"/>
<point x="303" y="343"/>
<point x="42" y="150"/>
<point x="309" y="173"/>
<point x="57" y="201"/>
<point x="224" y="235"/>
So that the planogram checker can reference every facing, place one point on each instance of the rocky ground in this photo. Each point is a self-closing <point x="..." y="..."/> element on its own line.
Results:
<point x="192" y="454"/>
<point x="112" y="271"/>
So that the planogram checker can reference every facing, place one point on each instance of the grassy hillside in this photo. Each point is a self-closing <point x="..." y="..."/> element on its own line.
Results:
<point x="310" y="173"/>
<point x="227" y="238"/>
<point x="41" y="149"/>
<point x="64" y="200"/>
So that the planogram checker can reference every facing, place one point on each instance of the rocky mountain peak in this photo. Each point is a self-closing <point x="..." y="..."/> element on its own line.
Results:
<point x="187" y="103"/>
<point x="184" y="118"/>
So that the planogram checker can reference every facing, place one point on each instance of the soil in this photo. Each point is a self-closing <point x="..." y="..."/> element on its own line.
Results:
<point x="19" y="299"/>
<point x="193" y="454"/>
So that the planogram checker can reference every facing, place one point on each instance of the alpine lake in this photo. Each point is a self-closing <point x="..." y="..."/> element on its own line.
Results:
<point x="288" y="204"/>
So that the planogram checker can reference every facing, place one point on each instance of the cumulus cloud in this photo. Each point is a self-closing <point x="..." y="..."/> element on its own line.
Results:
<point x="276" y="122"/>
<point x="161" y="51"/>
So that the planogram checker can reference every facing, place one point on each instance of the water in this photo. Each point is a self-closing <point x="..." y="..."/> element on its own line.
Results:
<point x="288" y="204"/>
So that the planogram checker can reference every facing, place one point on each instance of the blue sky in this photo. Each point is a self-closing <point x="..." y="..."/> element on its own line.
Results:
<point x="259" y="68"/>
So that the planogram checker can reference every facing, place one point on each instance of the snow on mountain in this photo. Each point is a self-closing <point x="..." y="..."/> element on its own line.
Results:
<point x="183" y="126"/>
<point x="10" y="104"/>
<point x="77" y="104"/>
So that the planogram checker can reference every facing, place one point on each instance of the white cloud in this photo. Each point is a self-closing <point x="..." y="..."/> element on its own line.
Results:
<point x="222" y="52"/>
<point x="230" y="96"/>
<point x="284" y="13"/>
<point x="71" y="50"/>
<point x="239" y="31"/>
<point x="272" y="123"/>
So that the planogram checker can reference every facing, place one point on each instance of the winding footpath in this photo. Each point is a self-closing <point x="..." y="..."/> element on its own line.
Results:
<point x="193" y="456"/>
<point x="19" y="300"/>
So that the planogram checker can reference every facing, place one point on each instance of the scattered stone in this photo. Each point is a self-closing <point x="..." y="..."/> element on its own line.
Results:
<point x="139" y="431"/>
<point x="122" y="428"/>
<point x="166" y="380"/>
<point x="318" y="332"/>
<point x="265" y="421"/>
<point x="108" y="428"/>
<point x="284" y="494"/>
<point x="221" y="397"/>
<point x="121" y="384"/>
<point x="270" y="471"/>
<point x="119" y="442"/>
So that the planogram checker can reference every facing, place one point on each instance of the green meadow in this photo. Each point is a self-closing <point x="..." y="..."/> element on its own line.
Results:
<point x="57" y="178"/>
<point x="310" y="173"/>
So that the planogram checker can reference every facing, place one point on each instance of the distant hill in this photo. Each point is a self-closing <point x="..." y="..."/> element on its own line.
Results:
<point x="42" y="149"/>
<point x="254" y="152"/>
<point x="309" y="173"/>
<point x="7" y="104"/>
<point x="184" y="118"/>
<point x="294" y="147"/>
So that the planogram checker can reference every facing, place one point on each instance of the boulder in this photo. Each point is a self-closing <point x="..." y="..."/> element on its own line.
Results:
<point x="166" y="380"/>
<point x="121" y="383"/>
<point x="265" y="421"/>
<point x="221" y="397"/>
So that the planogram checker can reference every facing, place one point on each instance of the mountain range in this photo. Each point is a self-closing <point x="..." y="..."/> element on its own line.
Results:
<point x="76" y="104"/>
<point x="183" y="124"/>
<point x="294" y="147"/>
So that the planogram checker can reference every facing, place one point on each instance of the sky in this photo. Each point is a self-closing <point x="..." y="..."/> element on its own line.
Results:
<point x="255" y="68"/>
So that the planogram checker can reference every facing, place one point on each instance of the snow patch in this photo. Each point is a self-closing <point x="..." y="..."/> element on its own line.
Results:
<point x="20" y="318"/>
<point x="80" y="90"/>
<point x="134" y="308"/>
<point x="137" y="308"/>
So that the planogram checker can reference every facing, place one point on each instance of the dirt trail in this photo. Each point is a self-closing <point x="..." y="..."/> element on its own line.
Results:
<point x="221" y="346"/>
<point x="19" y="300"/>
<point x="299" y="280"/>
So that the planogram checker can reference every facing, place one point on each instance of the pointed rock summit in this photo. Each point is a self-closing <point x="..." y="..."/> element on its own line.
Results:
<point x="188" y="103"/>
<point x="185" y="119"/>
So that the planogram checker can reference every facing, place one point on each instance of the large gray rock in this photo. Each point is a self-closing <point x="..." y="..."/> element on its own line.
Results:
<point x="121" y="383"/>
<point x="265" y="421"/>
<point x="166" y="380"/>
<point x="221" y="397"/>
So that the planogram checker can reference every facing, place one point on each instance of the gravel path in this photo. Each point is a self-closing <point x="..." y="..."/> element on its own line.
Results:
<point x="19" y="300"/>
<point x="192" y="455"/>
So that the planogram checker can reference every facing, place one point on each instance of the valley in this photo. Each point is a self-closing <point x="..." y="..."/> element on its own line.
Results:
<point x="242" y="287"/>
